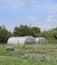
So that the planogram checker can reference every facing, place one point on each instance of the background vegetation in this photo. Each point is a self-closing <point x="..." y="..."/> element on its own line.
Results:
<point x="24" y="30"/>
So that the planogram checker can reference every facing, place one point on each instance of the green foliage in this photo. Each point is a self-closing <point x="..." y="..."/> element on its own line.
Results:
<point x="44" y="34"/>
<point x="35" y="31"/>
<point x="24" y="30"/>
<point x="52" y="41"/>
<point x="21" y="31"/>
<point x="4" y="34"/>
<point x="50" y="35"/>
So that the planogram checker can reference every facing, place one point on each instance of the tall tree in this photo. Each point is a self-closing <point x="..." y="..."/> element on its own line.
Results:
<point x="25" y="30"/>
<point x="35" y="31"/>
<point x="4" y="34"/>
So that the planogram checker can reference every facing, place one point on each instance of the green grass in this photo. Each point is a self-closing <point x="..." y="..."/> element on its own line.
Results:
<point x="4" y="60"/>
<point x="29" y="55"/>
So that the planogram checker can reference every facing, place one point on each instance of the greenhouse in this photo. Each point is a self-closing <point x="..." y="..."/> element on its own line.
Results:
<point x="41" y="40"/>
<point x="22" y="40"/>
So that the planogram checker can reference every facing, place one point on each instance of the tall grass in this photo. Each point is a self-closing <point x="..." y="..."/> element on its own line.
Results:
<point x="29" y="54"/>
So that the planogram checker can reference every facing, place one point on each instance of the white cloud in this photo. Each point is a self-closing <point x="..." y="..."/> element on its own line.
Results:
<point x="32" y="18"/>
<point x="50" y="18"/>
<point x="48" y="27"/>
<point x="44" y="27"/>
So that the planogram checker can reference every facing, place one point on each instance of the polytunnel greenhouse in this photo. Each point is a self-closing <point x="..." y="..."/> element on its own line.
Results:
<point x="41" y="40"/>
<point x="22" y="40"/>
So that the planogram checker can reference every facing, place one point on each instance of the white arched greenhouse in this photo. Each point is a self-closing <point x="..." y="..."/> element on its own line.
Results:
<point x="22" y="40"/>
<point x="41" y="40"/>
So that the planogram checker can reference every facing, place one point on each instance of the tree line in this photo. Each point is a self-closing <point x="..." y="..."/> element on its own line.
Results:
<point x="24" y="30"/>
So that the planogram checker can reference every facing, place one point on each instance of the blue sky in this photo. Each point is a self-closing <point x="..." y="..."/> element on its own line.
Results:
<point x="40" y="13"/>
